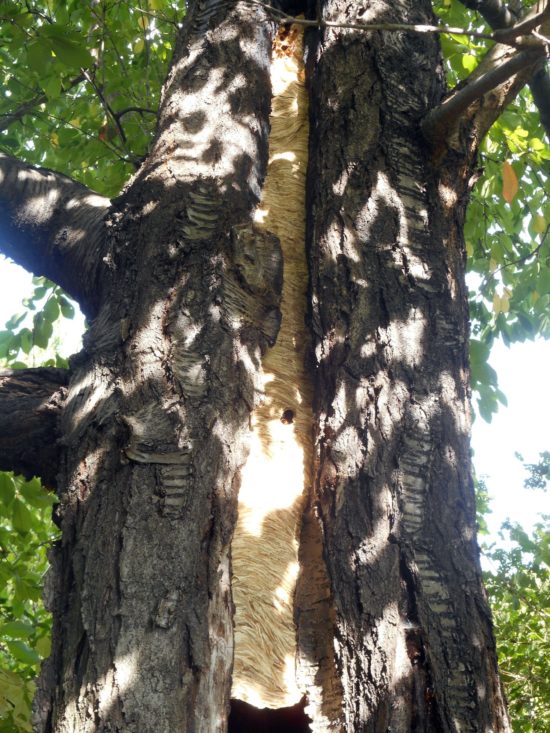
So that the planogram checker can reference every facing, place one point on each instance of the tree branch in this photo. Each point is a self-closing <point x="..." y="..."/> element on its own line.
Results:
<point x="442" y="119"/>
<point x="498" y="16"/>
<point x="53" y="226"/>
<point x="30" y="404"/>
<point x="540" y="89"/>
<point x="494" y="12"/>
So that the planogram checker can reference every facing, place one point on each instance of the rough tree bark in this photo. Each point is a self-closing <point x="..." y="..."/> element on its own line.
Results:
<point x="183" y="295"/>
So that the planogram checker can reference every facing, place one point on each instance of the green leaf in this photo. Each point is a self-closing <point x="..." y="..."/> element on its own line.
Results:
<point x="36" y="495"/>
<point x="70" y="52"/>
<point x="7" y="488"/>
<point x="42" y="331"/>
<point x="25" y="336"/>
<point x="21" y="517"/>
<point x="479" y="351"/>
<point x="17" y="629"/>
<point x="67" y="308"/>
<point x="25" y="590"/>
<point x="44" y="646"/>
<point x="52" y="86"/>
<point x="51" y="309"/>
<point x="469" y="62"/>
<point x="15" y="321"/>
<point x="23" y="653"/>
<point x="38" y="54"/>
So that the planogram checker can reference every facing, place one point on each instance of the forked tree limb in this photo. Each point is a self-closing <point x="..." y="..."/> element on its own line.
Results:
<point x="498" y="17"/>
<point x="30" y="404"/>
<point x="53" y="226"/>
<point x="490" y="77"/>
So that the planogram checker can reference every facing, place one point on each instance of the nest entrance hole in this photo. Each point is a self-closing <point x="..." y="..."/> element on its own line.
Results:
<point x="245" y="718"/>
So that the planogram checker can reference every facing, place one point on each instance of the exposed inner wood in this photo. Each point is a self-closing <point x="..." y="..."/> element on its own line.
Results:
<point x="277" y="472"/>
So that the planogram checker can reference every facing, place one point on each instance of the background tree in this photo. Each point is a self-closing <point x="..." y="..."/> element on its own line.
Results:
<point x="386" y="206"/>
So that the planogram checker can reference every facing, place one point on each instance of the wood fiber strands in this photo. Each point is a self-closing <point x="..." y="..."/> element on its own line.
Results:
<point x="277" y="472"/>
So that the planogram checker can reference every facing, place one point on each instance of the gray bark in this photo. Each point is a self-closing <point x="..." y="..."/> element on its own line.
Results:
<point x="158" y="406"/>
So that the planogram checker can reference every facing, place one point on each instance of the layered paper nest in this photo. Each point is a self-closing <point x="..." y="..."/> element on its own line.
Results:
<point x="277" y="473"/>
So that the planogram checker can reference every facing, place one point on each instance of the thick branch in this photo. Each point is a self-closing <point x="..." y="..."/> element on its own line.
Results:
<point x="443" y="119"/>
<point x="498" y="16"/>
<point x="30" y="403"/>
<point x="494" y="12"/>
<point x="53" y="226"/>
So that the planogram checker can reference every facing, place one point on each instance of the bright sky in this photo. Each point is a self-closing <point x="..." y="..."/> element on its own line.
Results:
<point x="523" y="372"/>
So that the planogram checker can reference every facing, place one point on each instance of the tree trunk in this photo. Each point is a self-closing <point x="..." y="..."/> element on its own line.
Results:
<point x="393" y="492"/>
<point x="158" y="406"/>
<point x="392" y="627"/>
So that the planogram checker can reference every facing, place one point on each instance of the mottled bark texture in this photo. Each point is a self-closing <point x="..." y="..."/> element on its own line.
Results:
<point x="393" y="493"/>
<point x="184" y="291"/>
<point x="159" y="402"/>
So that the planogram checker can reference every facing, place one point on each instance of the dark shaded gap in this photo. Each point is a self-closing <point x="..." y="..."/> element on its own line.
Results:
<point x="245" y="718"/>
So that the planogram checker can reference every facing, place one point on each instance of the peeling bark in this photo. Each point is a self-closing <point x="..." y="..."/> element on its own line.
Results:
<point x="31" y="401"/>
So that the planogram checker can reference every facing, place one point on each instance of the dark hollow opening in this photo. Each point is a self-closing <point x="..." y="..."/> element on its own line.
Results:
<point x="287" y="418"/>
<point x="245" y="718"/>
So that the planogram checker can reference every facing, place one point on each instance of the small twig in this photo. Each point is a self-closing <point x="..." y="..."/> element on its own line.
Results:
<point x="504" y="35"/>
<point x="140" y="110"/>
<point x="105" y="104"/>
<point x="123" y="156"/>
<point x="107" y="32"/>
<point x="519" y="260"/>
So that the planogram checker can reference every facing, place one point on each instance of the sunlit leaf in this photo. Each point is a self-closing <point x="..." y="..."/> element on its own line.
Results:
<point x="539" y="224"/>
<point x="510" y="182"/>
<point x="21" y="516"/>
<point x="7" y="488"/>
<point x="17" y="629"/>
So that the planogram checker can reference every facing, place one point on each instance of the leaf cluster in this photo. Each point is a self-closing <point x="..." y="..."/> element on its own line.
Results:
<point x="518" y="586"/>
<point x="508" y="219"/>
<point x="30" y="333"/>
<point x="81" y="83"/>
<point x="517" y="581"/>
<point x="26" y="532"/>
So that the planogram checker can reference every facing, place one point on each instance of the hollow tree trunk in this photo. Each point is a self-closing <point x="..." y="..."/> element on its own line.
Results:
<point x="392" y="627"/>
